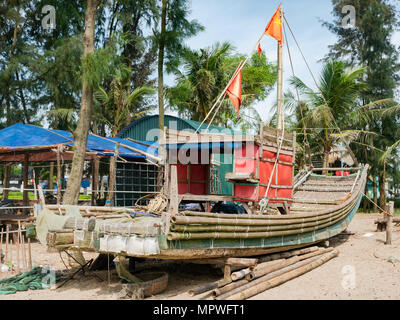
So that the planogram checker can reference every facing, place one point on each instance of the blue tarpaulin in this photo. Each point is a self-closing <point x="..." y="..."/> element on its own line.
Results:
<point x="22" y="137"/>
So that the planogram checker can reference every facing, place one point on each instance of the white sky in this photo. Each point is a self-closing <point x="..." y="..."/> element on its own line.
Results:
<point x="241" y="22"/>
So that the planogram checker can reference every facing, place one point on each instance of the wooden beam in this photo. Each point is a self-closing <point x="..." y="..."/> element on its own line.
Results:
<point x="174" y="201"/>
<point x="25" y="180"/>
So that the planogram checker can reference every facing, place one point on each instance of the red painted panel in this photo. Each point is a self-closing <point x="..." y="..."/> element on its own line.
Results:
<point x="198" y="172"/>
<point x="282" y="175"/>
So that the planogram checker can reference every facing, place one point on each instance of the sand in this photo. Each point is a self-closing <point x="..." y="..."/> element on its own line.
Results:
<point x="366" y="268"/>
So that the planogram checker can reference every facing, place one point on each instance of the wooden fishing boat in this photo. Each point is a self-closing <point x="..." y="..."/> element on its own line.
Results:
<point x="322" y="207"/>
<point x="282" y="211"/>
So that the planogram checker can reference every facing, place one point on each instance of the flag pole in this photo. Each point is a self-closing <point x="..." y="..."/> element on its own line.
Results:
<point x="240" y="67"/>
<point x="280" y="80"/>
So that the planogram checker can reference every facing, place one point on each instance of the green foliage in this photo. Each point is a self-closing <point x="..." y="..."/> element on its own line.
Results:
<point x="331" y="114"/>
<point x="204" y="75"/>
<point x="119" y="106"/>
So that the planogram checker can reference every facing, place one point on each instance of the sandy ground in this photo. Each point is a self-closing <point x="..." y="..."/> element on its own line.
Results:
<point x="366" y="268"/>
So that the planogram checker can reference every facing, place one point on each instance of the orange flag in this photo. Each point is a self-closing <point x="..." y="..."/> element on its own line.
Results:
<point x="259" y="50"/>
<point x="234" y="91"/>
<point x="274" y="27"/>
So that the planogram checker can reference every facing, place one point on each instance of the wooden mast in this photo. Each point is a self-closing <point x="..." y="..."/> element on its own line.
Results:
<point x="280" y="80"/>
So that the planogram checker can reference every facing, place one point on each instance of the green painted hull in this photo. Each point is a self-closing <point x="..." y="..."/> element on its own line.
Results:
<point x="273" y="242"/>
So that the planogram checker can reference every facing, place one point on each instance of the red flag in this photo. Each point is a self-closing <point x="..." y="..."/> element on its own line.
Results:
<point x="259" y="50"/>
<point x="274" y="27"/>
<point x="234" y="91"/>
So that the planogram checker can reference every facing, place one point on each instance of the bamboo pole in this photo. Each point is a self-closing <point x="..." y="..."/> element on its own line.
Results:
<point x="25" y="179"/>
<point x="263" y="269"/>
<point x="7" y="239"/>
<point x="1" y="245"/>
<point x="11" y="256"/>
<point x="113" y="177"/>
<point x="209" y="286"/>
<point x="58" y="175"/>
<point x="18" y="258"/>
<point x="268" y="276"/>
<point x="59" y="238"/>
<point x="253" y="235"/>
<point x="228" y="288"/>
<point x="87" y="224"/>
<point x="261" y="287"/>
<point x="29" y="254"/>
<point x="21" y="240"/>
<point x="287" y="254"/>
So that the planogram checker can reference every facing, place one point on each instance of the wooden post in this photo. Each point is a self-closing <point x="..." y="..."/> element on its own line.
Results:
<point x="58" y="176"/>
<point x="11" y="256"/>
<point x="7" y="239"/>
<point x="173" y="196"/>
<point x="29" y="254"/>
<point x="51" y="175"/>
<point x="41" y="195"/>
<point x="16" y="240"/>
<point x="25" y="180"/>
<point x="389" y="217"/>
<point x="95" y="180"/>
<point x="1" y="243"/>
<point x="6" y="181"/>
<point x="22" y="242"/>
<point x="113" y="174"/>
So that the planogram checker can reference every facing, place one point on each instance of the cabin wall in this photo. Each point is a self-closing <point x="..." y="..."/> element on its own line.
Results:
<point x="246" y="161"/>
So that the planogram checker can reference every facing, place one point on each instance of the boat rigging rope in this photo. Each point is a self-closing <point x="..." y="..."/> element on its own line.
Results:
<point x="305" y="139"/>
<point x="320" y="91"/>
<point x="264" y="201"/>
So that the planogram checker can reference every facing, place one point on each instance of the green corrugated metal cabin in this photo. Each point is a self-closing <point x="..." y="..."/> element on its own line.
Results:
<point x="146" y="129"/>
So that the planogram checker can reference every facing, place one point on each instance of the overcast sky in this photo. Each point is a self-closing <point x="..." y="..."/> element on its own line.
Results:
<point x="241" y="22"/>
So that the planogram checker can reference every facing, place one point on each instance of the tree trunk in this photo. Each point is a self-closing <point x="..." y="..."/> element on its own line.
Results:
<point x="82" y="130"/>
<point x="22" y="97"/>
<point x="375" y="193"/>
<point x="326" y="161"/>
<point x="382" y="190"/>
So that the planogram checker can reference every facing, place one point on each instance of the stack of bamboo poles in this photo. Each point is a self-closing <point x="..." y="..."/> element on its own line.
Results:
<point x="15" y="244"/>
<point x="269" y="272"/>
<point x="66" y="237"/>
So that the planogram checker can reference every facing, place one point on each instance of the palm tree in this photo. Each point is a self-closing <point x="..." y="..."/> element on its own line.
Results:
<point x="120" y="105"/>
<point x="333" y="113"/>
<point x="203" y="77"/>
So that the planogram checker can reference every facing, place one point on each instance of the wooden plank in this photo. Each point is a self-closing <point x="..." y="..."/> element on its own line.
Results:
<point x="239" y="176"/>
<point x="279" y="162"/>
<point x="336" y="169"/>
<point x="173" y="196"/>
<point x="214" y="198"/>
<point x="274" y="150"/>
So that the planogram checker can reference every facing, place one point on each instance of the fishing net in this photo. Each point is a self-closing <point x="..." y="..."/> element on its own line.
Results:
<point x="36" y="279"/>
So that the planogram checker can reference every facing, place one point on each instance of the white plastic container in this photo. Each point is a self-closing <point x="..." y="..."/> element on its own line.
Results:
<point x="142" y="246"/>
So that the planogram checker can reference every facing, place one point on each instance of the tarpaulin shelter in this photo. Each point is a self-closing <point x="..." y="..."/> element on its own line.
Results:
<point x="29" y="143"/>
<point x="41" y="144"/>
